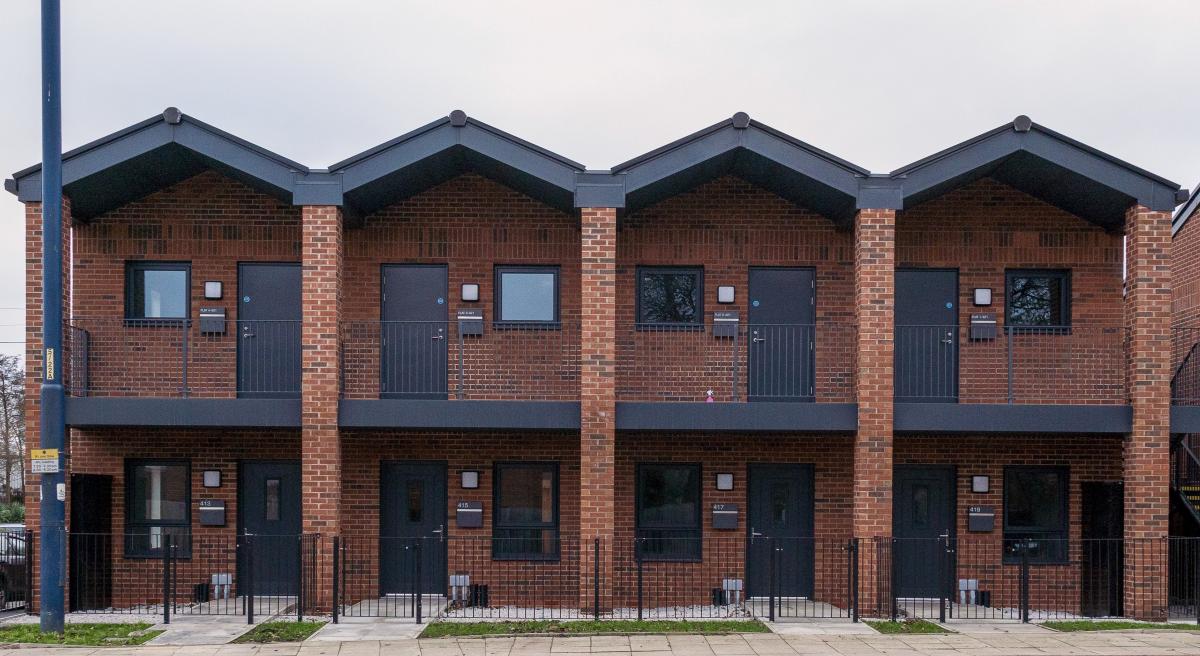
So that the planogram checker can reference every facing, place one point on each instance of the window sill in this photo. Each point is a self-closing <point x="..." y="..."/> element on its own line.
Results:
<point x="668" y="327"/>
<point x="526" y="558"/>
<point x="131" y="322"/>
<point x="527" y="325"/>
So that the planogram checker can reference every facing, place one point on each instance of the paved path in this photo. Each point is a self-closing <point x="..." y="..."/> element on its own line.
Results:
<point x="975" y="643"/>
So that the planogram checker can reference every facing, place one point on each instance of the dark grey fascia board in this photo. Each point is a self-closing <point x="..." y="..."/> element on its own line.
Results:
<point x="737" y="417"/>
<point x="318" y="188"/>
<point x="209" y="145"/>
<point x="880" y="193"/>
<point x="995" y="145"/>
<point x="1190" y="207"/>
<point x="472" y="415"/>
<point x="599" y="189"/>
<point x="1185" y="419"/>
<point x="183" y="413"/>
<point x="1011" y="418"/>
<point x="445" y="134"/>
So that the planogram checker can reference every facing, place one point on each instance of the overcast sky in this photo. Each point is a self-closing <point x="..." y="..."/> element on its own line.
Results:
<point x="878" y="83"/>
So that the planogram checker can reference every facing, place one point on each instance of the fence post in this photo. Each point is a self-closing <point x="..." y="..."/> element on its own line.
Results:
<point x="945" y="587"/>
<point x="596" y="580"/>
<point x="166" y="581"/>
<point x="638" y="557"/>
<point x="852" y="593"/>
<point x="1024" y="594"/>
<point x="417" y="578"/>
<point x="1195" y="545"/>
<point x="892" y="580"/>
<point x="300" y="578"/>
<point x="248" y="577"/>
<point x="337" y="547"/>
<point x="771" y="577"/>
<point x="184" y="326"/>
<point x="1009" y="339"/>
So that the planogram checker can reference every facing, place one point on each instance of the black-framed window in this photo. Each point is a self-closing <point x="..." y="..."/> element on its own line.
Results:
<point x="158" y="503"/>
<point x="1035" y="513"/>
<point x="668" y="511"/>
<point x="158" y="290"/>
<point x="670" y="295"/>
<point x="1037" y="298"/>
<point x="525" y="519"/>
<point x="526" y="295"/>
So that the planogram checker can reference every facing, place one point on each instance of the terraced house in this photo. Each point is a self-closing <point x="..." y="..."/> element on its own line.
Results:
<point x="458" y="374"/>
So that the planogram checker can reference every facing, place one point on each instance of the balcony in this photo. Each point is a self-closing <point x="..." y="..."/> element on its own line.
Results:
<point x="1028" y="379"/>
<point x="713" y="377"/>
<point x="429" y="374"/>
<point x="169" y="373"/>
<point x="1185" y="379"/>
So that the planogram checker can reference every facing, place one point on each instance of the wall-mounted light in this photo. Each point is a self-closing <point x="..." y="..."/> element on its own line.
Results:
<point x="212" y="290"/>
<point x="725" y="294"/>
<point x="212" y="478"/>
<point x="470" y="479"/>
<point x="983" y="296"/>
<point x="980" y="484"/>
<point x="724" y="482"/>
<point x="470" y="291"/>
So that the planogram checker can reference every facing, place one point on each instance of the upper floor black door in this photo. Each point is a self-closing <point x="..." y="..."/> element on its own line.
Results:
<point x="414" y="332"/>
<point x="926" y="359"/>
<point x="268" y="330"/>
<point x="781" y="334"/>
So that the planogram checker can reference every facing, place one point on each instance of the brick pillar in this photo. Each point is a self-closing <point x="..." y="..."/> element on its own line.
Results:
<point x="597" y="392"/>
<point x="874" y="290"/>
<point x="34" y="360"/>
<point x="1147" y="448"/>
<point x="320" y="386"/>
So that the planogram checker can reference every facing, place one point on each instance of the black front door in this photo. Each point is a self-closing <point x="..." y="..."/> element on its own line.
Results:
<point x="780" y="521"/>
<point x="91" y="542"/>
<point x="781" y="326"/>
<point x="412" y="520"/>
<point x="414" y="331"/>
<point x="922" y="522"/>
<point x="926" y="336"/>
<point x="269" y="522"/>
<point x="268" y="330"/>
<point x="1102" y="556"/>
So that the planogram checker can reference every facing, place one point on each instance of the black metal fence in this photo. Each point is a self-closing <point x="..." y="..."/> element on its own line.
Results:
<point x="166" y="573"/>
<point x="16" y="569"/>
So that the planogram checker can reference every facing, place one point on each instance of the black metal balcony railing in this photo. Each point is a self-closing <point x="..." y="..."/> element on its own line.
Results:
<point x="176" y="358"/>
<point x="437" y="360"/>
<point x="1080" y="364"/>
<point x="734" y="362"/>
<point x="1185" y="361"/>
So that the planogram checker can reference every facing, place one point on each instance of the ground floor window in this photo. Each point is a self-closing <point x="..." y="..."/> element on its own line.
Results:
<point x="1035" y="514"/>
<point x="525" y="522"/>
<point x="668" y="511"/>
<point x="157" y="504"/>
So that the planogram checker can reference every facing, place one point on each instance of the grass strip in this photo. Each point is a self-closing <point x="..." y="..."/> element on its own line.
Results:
<point x="91" y="635"/>
<point x="281" y="632"/>
<point x="906" y="627"/>
<point x="577" y="627"/>
<point x="1071" y="626"/>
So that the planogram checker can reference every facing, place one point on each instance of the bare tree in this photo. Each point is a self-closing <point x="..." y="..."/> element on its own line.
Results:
<point x="12" y="427"/>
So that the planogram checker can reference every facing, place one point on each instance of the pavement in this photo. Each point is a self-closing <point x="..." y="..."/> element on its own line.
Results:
<point x="793" y="639"/>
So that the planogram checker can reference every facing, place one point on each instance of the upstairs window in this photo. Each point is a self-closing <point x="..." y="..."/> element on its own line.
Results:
<point x="157" y="504"/>
<point x="668" y="511"/>
<point x="1038" y="299"/>
<point x="527" y="295"/>
<point x="157" y="290"/>
<point x="670" y="296"/>
<point x="1035" y="514"/>
<point x="525" y="524"/>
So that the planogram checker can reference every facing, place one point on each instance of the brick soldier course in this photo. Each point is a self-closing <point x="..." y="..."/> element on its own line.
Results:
<point x="594" y="391"/>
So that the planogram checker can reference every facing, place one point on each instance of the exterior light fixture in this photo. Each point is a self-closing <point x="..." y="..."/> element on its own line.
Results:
<point x="983" y="296"/>
<point x="980" y="484"/>
<point x="470" y="291"/>
<point x="212" y="290"/>
<point x="212" y="477"/>
<point x="470" y="479"/>
<point x="725" y="294"/>
<point x="724" y="482"/>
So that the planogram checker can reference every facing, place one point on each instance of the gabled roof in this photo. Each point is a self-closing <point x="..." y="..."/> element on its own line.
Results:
<point x="1043" y="163"/>
<point x="795" y="170"/>
<point x="153" y="154"/>
<point x="447" y="147"/>
<point x="1186" y="211"/>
